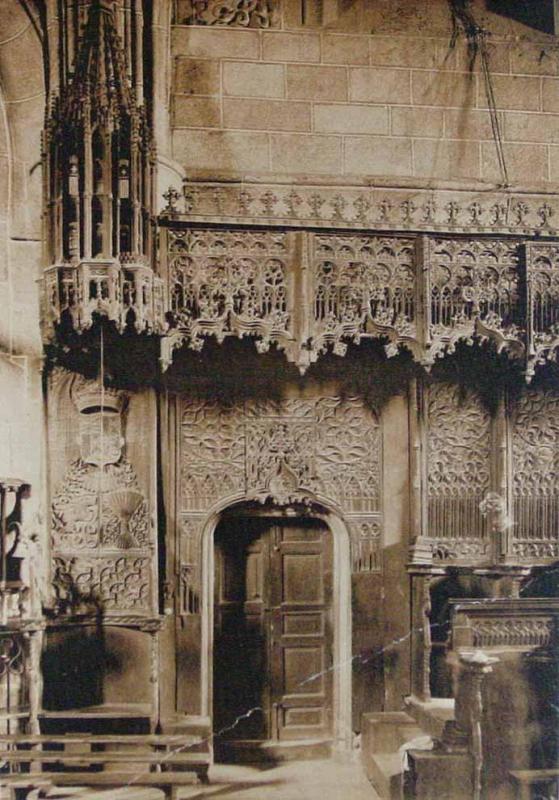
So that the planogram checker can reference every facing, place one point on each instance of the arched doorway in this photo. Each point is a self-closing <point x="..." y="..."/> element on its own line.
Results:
<point x="277" y="624"/>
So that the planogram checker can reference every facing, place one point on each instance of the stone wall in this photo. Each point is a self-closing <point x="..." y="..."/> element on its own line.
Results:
<point x="388" y="98"/>
<point x="22" y="103"/>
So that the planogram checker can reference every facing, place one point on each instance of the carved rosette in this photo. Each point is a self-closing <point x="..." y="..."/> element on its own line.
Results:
<point x="293" y="451"/>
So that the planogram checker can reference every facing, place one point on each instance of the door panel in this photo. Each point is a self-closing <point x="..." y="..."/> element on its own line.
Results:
<point x="301" y="603"/>
<point x="273" y="628"/>
<point x="302" y="578"/>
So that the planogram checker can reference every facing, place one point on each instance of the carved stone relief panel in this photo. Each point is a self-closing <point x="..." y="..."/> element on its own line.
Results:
<point x="513" y="632"/>
<point x="102" y="535"/>
<point x="212" y="454"/>
<point x="363" y="285"/>
<point x="280" y="458"/>
<point x="233" y="13"/>
<point x="458" y="471"/>
<point x="291" y="451"/>
<point x="114" y="582"/>
<point x="535" y="457"/>
<point x="349" y="451"/>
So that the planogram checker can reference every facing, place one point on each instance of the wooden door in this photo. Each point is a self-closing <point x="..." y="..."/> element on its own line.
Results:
<point x="273" y="633"/>
<point x="301" y="630"/>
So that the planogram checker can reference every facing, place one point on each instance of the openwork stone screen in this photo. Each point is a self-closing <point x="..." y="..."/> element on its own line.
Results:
<point x="308" y="292"/>
<point x="459" y="460"/>
<point x="535" y="451"/>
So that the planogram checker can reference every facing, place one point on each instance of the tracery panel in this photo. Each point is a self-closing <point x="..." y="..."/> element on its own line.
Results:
<point x="458" y="471"/>
<point x="535" y="489"/>
<point x="363" y="285"/>
<point x="474" y="289"/>
<point x="289" y="451"/>
<point x="542" y="279"/>
<point x="229" y="282"/>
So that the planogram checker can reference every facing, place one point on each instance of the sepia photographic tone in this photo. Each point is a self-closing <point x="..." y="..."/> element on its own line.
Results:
<point x="279" y="428"/>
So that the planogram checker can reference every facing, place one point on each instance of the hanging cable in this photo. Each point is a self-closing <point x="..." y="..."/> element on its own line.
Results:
<point x="476" y="38"/>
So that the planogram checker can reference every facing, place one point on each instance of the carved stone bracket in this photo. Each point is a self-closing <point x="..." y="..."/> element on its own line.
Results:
<point x="121" y="289"/>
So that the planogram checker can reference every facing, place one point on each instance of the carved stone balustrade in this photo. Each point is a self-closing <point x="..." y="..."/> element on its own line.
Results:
<point x="126" y="291"/>
<point x="269" y="263"/>
<point x="505" y="624"/>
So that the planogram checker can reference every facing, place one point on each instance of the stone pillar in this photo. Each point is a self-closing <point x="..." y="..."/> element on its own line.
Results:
<point x="34" y="639"/>
<point x="469" y="710"/>
<point x="421" y="583"/>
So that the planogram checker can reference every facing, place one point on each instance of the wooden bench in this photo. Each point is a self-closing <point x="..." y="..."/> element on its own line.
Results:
<point x="161" y="761"/>
<point x="76" y="793"/>
<point x="527" y="779"/>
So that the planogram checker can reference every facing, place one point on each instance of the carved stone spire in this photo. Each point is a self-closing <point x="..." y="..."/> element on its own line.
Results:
<point x="99" y="166"/>
<point x="101" y="77"/>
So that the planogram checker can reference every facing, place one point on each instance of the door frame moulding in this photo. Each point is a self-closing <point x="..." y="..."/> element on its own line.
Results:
<point x="341" y="606"/>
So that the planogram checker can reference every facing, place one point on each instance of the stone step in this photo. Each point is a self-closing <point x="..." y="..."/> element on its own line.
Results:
<point x="386" y="732"/>
<point x="251" y="752"/>
<point x="384" y="770"/>
<point x="431" y="715"/>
